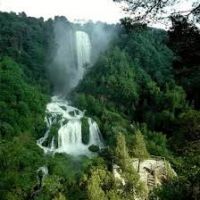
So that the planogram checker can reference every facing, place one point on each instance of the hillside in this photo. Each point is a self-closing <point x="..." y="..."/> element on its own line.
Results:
<point x="127" y="90"/>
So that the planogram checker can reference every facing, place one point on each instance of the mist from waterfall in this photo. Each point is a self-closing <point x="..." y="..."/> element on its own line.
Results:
<point x="75" y="49"/>
<point x="62" y="69"/>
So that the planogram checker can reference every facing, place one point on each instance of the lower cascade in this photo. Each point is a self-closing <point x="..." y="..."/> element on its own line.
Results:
<point x="64" y="130"/>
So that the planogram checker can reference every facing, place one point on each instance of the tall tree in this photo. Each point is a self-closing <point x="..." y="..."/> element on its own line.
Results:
<point x="139" y="149"/>
<point x="184" y="40"/>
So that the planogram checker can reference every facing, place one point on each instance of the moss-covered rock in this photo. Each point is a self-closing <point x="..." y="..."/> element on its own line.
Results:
<point x="85" y="130"/>
<point x="93" y="148"/>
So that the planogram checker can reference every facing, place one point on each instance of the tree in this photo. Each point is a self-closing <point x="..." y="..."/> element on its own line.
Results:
<point x="151" y="10"/>
<point x="184" y="40"/>
<point x="121" y="151"/>
<point x="139" y="149"/>
<point x="134" y="187"/>
<point x="18" y="110"/>
<point x="19" y="154"/>
<point x="94" y="188"/>
<point x="189" y="125"/>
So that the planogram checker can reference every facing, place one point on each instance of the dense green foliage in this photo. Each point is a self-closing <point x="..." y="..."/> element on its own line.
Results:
<point x="184" y="39"/>
<point x="23" y="86"/>
<point x="26" y="40"/>
<point x="22" y="105"/>
<point x="119" y="82"/>
<point x="134" y="91"/>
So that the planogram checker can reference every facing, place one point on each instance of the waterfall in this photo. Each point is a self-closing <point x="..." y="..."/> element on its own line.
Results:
<point x="83" y="47"/>
<point x="63" y="122"/>
<point x="68" y="121"/>
<point x="95" y="134"/>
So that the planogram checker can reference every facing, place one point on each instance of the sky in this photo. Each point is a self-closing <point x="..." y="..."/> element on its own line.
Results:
<point x="96" y="10"/>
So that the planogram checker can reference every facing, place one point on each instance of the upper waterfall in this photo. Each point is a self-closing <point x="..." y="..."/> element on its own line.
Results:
<point x="83" y="50"/>
<point x="83" y="53"/>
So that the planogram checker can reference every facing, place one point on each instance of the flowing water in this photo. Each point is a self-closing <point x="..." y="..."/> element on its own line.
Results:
<point x="64" y="122"/>
<point x="68" y="137"/>
<point x="83" y="48"/>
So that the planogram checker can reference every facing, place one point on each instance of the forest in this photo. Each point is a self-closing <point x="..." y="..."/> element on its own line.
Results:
<point x="143" y="91"/>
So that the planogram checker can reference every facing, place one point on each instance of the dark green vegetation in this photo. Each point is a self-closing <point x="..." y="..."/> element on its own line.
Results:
<point x="134" y="88"/>
<point x="184" y="39"/>
<point x="143" y="92"/>
<point x="23" y="96"/>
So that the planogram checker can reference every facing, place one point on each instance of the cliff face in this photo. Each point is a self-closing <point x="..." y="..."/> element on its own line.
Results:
<point x="153" y="172"/>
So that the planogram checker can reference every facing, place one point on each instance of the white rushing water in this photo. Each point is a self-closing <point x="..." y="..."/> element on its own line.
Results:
<point x="83" y="48"/>
<point x="68" y="138"/>
<point x="66" y="120"/>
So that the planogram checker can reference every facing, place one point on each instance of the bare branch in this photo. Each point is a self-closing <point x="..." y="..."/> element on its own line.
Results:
<point x="149" y="10"/>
